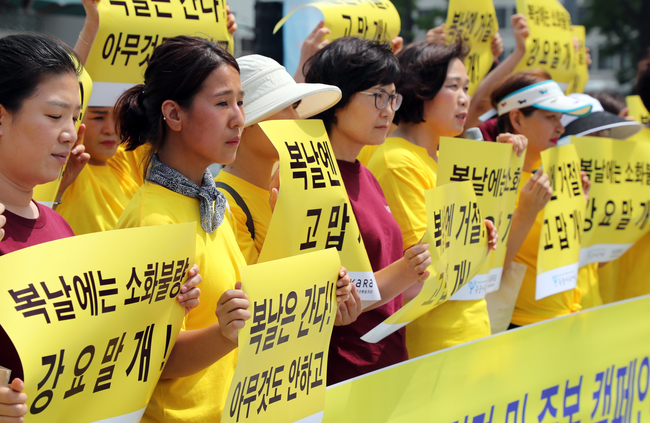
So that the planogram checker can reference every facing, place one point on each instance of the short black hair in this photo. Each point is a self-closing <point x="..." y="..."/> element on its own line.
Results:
<point x="26" y="60"/>
<point x="423" y="71"/>
<point x="352" y="65"/>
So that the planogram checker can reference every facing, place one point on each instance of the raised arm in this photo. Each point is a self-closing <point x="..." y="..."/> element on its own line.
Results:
<point x="89" y="31"/>
<point x="481" y="100"/>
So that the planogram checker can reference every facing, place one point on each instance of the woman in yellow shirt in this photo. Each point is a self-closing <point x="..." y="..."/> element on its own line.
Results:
<point x="271" y="94"/>
<point x="189" y="112"/>
<point x="434" y="84"/>
<point x="529" y="103"/>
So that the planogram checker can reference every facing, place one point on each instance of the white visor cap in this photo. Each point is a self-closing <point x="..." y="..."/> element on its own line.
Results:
<point x="545" y="95"/>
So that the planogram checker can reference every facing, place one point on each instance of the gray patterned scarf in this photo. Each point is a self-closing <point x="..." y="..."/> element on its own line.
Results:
<point x="207" y="193"/>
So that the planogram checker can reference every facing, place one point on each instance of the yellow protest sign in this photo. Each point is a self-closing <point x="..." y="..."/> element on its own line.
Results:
<point x="373" y="20"/>
<point x="580" y="61"/>
<point x="476" y="23"/>
<point x="282" y="359"/>
<point x="559" y="243"/>
<point x="550" y="43"/>
<point x="642" y="136"/>
<point x="129" y="31"/>
<point x="637" y="109"/>
<point x="618" y="210"/>
<point x="313" y="211"/>
<point x="495" y="173"/>
<point x="458" y="245"/>
<point x="95" y="320"/>
<point x="46" y="193"/>
<point x="592" y="366"/>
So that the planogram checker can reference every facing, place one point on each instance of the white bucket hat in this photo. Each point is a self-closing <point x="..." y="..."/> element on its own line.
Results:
<point x="545" y="95"/>
<point x="269" y="88"/>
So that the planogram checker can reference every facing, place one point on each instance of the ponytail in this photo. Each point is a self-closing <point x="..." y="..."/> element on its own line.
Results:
<point x="176" y="71"/>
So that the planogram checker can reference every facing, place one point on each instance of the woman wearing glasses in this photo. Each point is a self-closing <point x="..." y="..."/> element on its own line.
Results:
<point x="366" y="73"/>
<point x="434" y="84"/>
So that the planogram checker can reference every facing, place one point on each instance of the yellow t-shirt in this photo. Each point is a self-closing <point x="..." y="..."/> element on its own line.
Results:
<point x="588" y="283"/>
<point x="96" y="199"/>
<point x="404" y="171"/>
<point x="130" y="162"/>
<point x="366" y="154"/>
<point x="527" y="309"/>
<point x="627" y="277"/>
<point x="201" y="397"/>
<point x="257" y="201"/>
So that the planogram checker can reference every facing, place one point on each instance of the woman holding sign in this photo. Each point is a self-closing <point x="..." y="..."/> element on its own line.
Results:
<point x="190" y="113"/>
<point x="271" y="94"/>
<point x="366" y="74"/>
<point x="39" y="108"/>
<point x="531" y="104"/>
<point x="434" y="84"/>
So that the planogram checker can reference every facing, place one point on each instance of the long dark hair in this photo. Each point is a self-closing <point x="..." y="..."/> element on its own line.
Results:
<point x="177" y="70"/>
<point x="26" y="60"/>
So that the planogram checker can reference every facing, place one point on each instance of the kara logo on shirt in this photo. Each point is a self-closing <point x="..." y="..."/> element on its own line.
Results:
<point x="388" y="209"/>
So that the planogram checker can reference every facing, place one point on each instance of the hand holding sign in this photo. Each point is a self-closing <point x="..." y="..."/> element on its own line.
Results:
<point x="457" y="237"/>
<point x="3" y="220"/>
<point x="13" y="401"/>
<point x="232" y="312"/>
<point x="377" y="20"/>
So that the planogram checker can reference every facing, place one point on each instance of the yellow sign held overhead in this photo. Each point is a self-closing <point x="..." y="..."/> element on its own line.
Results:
<point x="637" y="109"/>
<point x="550" y="43"/>
<point x="371" y="20"/>
<point x="282" y="358"/>
<point x="130" y="31"/>
<point x="476" y="23"/>
<point x="313" y="211"/>
<point x="458" y="245"/>
<point x="580" y="61"/>
<point x="561" y="235"/>
<point x="93" y="333"/>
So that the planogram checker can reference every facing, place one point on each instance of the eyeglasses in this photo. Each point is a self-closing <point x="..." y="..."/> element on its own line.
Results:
<point x="382" y="98"/>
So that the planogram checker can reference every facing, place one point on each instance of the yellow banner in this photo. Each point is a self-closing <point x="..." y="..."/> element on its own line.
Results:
<point x="458" y="240"/>
<point x="313" y="211"/>
<point x="561" y="236"/>
<point x="588" y="367"/>
<point x="495" y="171"/>
<point x="282" y="359"/>
<point x="94" y="326"/>
<point x="371" y="20"/>
<point x="618" y="210"/>
<point x="46" y="193"/>
<point x="580" y="59"/>
<point x="476" y="23"/>
<point x="637" y="109"/>
<point x="550" y="43"/>
<point x="129" y="31"/>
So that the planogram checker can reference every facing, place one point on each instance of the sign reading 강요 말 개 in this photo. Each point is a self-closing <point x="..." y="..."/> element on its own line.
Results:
<point x="93" y="333"/>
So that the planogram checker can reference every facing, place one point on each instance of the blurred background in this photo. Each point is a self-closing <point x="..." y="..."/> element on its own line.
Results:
<point x="618" y="31"/>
